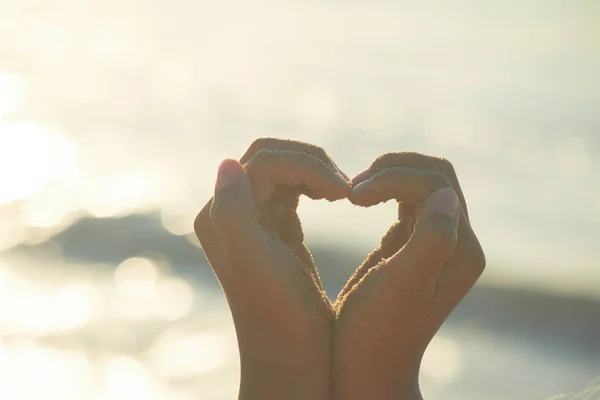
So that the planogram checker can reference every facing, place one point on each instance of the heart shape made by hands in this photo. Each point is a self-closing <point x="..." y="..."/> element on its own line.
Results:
<point x="281" y="171"/>
<point x="388" y="311"/>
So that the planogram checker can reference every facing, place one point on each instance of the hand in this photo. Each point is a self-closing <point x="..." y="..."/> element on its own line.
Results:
<point x="390" y="309"/>
<point x="252" y="237"/>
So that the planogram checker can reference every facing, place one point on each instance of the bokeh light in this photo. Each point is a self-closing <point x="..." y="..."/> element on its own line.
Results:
<point x="12" y="92"/>
<point x="31" y="157"/>
<point x="173" y="299"/>
<point x="126" y="378"/>
<point x="178" y="355"/>
<point x="442" y="360"/>
<point x="135" y="277"/>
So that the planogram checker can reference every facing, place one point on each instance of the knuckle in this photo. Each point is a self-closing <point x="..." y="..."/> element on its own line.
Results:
<point x="260" y="143"/>
<point x="386" y="160"/>
<point x="259" y="158"/>
<point x="446" y="166"/>
<point x="256" y="146"/>
<point x="321" y="153"/>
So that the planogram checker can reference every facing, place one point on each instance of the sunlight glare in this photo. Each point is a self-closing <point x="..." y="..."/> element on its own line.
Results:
<point x="75" y="304"/>
<point x="136" y="276"/>
<point x="45" y="35"/>
<point x="173" y="298"/>
<point x="123" y="193"/>
<point x="48" y="209"/>
<point x="177" y="355"/>
<point x="31" y="309"/>
<point x="177" y="218"/>
<point x="126" y="379"/>
<point x="317" y="106"/>
<point x="172" y="82"/>
<point x="36" y="372"/>
<point x="4" y="364"/>
<point x="31" y="156"/>
<point x="12" y="92"/>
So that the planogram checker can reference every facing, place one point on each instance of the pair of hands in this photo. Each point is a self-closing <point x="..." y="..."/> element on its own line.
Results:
<point x="293" y="342"/>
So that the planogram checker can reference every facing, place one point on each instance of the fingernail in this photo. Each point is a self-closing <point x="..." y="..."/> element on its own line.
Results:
<point x="361" y="177"/>
<point x="444" y="201"/>
<point x="228" y="175"/>
<point x="362" y="185"/>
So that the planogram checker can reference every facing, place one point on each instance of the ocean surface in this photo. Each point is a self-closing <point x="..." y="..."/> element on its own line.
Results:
<point x="119" y="112"/>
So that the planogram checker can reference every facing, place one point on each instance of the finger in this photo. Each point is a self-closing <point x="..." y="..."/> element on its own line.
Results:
<point x="269" y="168"/>
<point x="411" y="271"/>
<point x="385" y="180"/>
<point x="209" y="241"/>
<point x="465" y="266"/>
<point x="286" y="144"/>
<point x="232" y="215"/>
<point x="405" y="184"/>
<point x="417" y="161"/>
<point x="435" y="236"/>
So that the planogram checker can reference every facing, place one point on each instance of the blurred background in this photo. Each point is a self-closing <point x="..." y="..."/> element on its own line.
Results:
<point x="114" y="116"/>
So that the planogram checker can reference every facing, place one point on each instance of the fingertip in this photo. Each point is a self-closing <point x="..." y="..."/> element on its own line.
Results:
<point x="364" y="194"/>
<point x="342" y="191"/>
<point x="444" y="201"/>
<point x="229" y="174"/>
<point x="437" y="223"/>
<point x="360" y="177"/>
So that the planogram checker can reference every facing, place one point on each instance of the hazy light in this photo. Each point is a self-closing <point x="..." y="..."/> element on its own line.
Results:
<point x="317" y="106"/>
<point x="37" y="373"/>
<point x="375" y="115"/>
<point x="127" y="379"/>
<point x="173" y="298"/>
<point x="572" y="158"/>
<point x="442" y="360"/>
<point x="12" y="92"/>
<point x="29" y="308"/>
<point x="135" y="277"/>
<point x="75" y="304"/>
<point x="123" y="193"/>
<point x="136" y="309"/>
<point x="172" y="83"/>
<point x="31" y="156"/>
<point x="4" y="365"/>
<point x="48" y="209"/>
<point x="177" y="355"/>
<point x="178" y="218"/>
<point x="45" y="35"/>
<point x="111" y="45"/>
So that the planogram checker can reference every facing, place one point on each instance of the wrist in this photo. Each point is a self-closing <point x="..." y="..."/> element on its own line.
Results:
<point x="294" y="370"/>
<point x="285" y="362"/>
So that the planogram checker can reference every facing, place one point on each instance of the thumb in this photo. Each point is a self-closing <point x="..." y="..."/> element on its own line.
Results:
<point x="434" y="237"/>
<point x="232" y="210"/>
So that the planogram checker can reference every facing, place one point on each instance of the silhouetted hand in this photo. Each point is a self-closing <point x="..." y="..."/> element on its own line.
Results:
<point x="252" y="237"/>
<point x="390" y="309"/>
